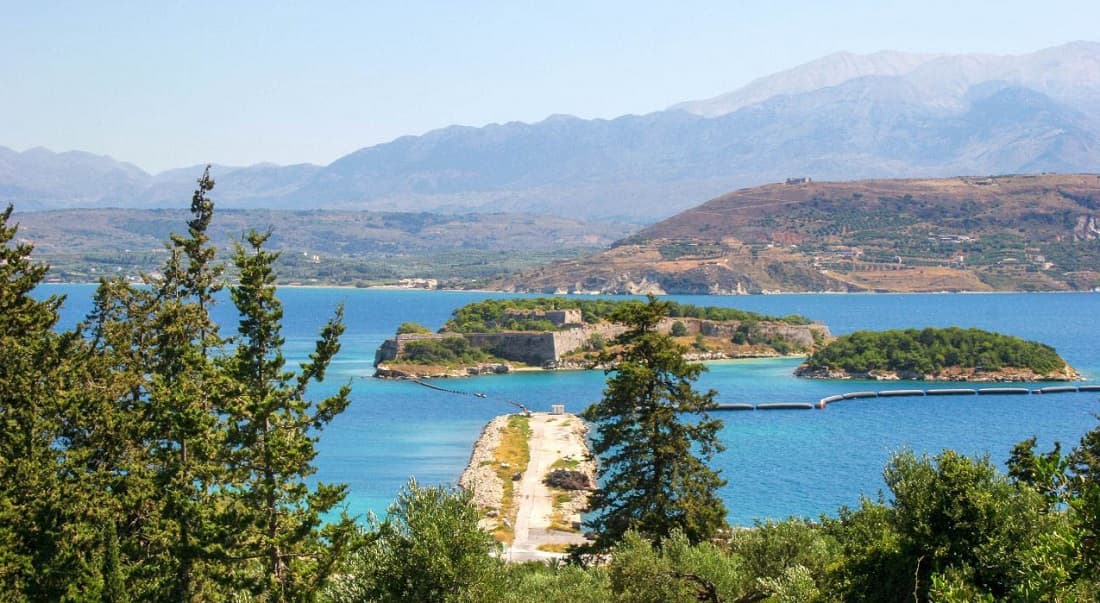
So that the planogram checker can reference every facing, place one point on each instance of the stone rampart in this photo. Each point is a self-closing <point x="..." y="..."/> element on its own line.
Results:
<point x="571" y="340"/>
<point x="800" y="334"/>
<point x="534" y="348"/>
<point x="545" y="348"/>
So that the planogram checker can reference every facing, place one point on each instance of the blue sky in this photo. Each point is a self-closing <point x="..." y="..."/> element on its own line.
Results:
<point x="171" y="84"/>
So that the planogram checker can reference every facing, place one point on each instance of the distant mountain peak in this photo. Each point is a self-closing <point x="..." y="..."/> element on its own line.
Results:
<point x="830" y="70"/>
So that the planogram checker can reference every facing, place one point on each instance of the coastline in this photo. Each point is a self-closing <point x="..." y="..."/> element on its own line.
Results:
<point x="594" y="294"/>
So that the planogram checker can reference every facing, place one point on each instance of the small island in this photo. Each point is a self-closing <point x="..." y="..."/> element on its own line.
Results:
<point x="499" y="336"/>
<point x="931" y="354"/>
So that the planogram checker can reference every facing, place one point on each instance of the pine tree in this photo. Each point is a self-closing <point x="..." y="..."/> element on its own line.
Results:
<point x="653" y="458"/>
<point x="272" y="436"/>
<point x="42" y="553"/>
<point x="156" y="430"/>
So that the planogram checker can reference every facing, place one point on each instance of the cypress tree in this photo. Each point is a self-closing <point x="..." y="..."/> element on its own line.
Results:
<point x="271" y="438"/>
<point x="43" y="552"/>
<point x="654" y="438"/>
<point x="159" y="419"/>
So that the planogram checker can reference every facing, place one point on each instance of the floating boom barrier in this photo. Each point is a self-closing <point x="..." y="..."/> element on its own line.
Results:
<point x="827" y="400"/>
<point x="899" y="393"/>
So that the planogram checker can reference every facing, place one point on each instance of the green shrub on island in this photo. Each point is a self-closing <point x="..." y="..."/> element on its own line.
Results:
<point x="412" y="328"/>
<point x="445" y="352"/>
<point x="678" y="329"/>
<point x="492" y="315"/>
<point x="930" y="351"/>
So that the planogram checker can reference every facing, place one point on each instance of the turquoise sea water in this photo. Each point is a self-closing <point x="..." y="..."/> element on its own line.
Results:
<point x="778" y="463"/>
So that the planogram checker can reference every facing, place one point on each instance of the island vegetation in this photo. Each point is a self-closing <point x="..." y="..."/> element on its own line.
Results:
<point x="949" y="353"/>
<point x="145" y="457"/>
<point x="495" y="315"/>
<point x="495" y="335"/>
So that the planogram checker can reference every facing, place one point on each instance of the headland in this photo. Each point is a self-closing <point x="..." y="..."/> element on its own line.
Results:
<point x="530" y="474"/>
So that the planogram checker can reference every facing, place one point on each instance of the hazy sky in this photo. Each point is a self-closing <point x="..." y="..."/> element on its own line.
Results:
<point x="170" y="84"/>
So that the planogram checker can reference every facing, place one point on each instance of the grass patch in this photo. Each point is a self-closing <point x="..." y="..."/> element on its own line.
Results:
<point x="513" y="451"/>
<point x="565" y="464"/>
<point x="555" y="547"/>
<point x="558" y="519"/>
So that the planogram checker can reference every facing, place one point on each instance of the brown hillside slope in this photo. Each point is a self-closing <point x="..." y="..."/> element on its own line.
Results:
<point x="1005" y="233"/>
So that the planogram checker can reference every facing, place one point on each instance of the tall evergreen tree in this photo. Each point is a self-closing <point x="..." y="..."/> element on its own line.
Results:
<point x="272" y="435"/>
<point x="160" y="419"/>
<point x="43" y="552"/>
<point x="654" y="438"/>
<point x="188" y="438"/>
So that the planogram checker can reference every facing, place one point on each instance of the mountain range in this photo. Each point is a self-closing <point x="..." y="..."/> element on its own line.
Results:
<point x="844" y="116"/>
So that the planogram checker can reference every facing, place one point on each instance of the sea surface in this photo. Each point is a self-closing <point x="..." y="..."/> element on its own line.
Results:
<point x="777" y="463"/>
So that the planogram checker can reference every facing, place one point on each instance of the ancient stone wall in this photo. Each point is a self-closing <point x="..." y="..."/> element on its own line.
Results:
<point x="541" y="348"/>
<point x="800" y="334"/>
<point x="571" y="340"/>
<point x="528" y="347"/>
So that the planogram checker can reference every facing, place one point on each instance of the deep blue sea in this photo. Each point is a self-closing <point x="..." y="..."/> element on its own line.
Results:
<point x="778" y="463"/>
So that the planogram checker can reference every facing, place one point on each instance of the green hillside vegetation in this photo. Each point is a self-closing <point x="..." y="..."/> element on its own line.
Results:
<point x="1013" y="233"/>
<point x="449" y="351"/>
<point x="320" y="246"/>
<point x="930" y="351"/>
<point x="489" y="316"/>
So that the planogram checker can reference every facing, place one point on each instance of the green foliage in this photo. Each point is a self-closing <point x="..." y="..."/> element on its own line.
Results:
<point x="554" y="583"/>
<point x="271" y="443"/>
<point x="429" y="548"/>
<point x="1046" y="473"/>
<point x="872" y="566"/>
<point x="161" y="467"/>
<point x="47" y="542"/>
<point x="653" y="460"/>
<point x="959" y="514"/>
<point x="673" y="570"/>
<point x="489" y="316"/>
<point x="695" y="250"/>
<point x="412" y="327"/>
<point x="771" y="550"/>
<point x="445" y="351"/>
<point x="929" y="351"/>
<point x="678" y="329"/>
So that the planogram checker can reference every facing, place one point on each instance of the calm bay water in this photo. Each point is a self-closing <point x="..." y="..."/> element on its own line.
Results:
<point x="777" y="463"/>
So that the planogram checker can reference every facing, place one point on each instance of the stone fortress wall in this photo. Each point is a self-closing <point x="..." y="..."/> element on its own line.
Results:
<point x="548" y="347"/>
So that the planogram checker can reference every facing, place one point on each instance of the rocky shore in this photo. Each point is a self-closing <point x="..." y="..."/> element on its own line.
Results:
<point x="480" y="478"/>
<point x="950" y="374"/>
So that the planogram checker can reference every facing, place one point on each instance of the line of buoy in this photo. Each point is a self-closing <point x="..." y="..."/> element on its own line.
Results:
<point x="1000" y="391"/>
<point x="766" y="406"/>
<point x="956" y="391"/>
<point x="1057" y="389"/>
<point x="952" y="391"/>
<point x="735" y="407"/>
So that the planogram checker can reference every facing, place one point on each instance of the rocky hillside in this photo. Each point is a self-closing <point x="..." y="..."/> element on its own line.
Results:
<point x="1029" y="232"/>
